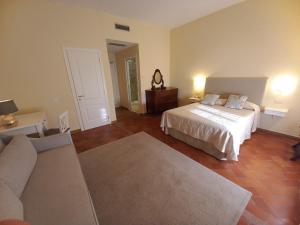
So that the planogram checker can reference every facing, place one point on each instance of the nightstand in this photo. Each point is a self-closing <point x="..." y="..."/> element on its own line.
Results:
<point x="280" y="112"/>
<point x="195" y="99"/>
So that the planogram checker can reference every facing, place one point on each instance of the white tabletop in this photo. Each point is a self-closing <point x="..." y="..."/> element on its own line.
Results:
<point x="26" y="120"/>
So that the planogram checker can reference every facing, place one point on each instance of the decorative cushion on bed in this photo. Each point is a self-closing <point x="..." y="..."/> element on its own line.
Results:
<point x="17" y="161"/>
<point x="210" y="99"/>
<point x="250" y="106"/>
<point x="10" y="204"/>
<point x="221" y="101"/>
<point x="236" y="101"/>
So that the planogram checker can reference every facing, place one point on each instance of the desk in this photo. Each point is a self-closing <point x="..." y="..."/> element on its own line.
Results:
<point x="27" y="123"/>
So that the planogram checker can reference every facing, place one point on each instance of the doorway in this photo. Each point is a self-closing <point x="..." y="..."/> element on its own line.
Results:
<point x="132" y="83"/>
<point x="124" y="64"/>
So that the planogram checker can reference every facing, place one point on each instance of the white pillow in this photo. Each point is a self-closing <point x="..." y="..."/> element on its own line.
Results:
<point x="10" y="205"/>
<point x="210" y="99"/>
<point x="251" y="106"/>
<point x="17" y="161"/>
<point x="221" y="101"/>
<point x="236" y="101"/>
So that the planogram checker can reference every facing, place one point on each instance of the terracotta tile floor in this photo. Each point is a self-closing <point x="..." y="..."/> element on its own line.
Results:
<point x="264" y="167"/>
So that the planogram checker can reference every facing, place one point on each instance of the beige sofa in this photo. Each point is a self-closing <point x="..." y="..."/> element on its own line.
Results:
<point x="41" y="182"/>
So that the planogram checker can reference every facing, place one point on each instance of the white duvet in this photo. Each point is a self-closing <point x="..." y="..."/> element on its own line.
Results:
<point x="223" y="127"/>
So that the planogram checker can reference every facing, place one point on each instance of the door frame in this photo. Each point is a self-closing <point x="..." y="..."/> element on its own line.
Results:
<point x="137" y="65"/>
<point x="67" y="63"/>
<point x="118" y="88"/>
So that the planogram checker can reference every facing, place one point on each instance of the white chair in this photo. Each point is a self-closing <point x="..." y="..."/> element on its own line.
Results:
<point x="64" y="126"/>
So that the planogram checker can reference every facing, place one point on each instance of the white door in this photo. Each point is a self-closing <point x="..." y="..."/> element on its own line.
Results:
<point x="88" y="85"/>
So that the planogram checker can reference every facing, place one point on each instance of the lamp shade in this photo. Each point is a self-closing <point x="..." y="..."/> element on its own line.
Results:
<point x="7" y="107"/>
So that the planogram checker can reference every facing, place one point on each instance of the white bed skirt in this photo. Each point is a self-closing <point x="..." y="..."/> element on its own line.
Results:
<point x="196" y="143"/>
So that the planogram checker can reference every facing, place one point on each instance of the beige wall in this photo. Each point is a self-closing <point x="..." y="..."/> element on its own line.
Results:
<point x="254" y="38"/>
<point x="120" y="59"/>
<point x="32" y="36"/>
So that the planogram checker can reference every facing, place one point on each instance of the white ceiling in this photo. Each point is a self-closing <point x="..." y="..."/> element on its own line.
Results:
<point x="169" y="13"/>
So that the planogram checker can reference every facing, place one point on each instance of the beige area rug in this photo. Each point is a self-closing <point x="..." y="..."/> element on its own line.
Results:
<point x="139" y="180"/>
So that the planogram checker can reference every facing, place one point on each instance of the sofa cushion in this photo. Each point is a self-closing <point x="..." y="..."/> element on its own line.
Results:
<point x="10" y="205"/>
<point x="17" y="161"/>
<point x="56" y="192"/>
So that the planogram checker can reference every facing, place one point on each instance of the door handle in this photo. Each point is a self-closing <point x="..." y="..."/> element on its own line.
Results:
<point x="80" y="97"/>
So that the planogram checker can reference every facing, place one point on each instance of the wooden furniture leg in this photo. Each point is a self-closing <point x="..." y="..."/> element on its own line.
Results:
<point x="296" y="148"/>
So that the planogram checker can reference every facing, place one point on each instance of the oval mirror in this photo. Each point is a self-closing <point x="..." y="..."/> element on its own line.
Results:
<point x="157" y="77"/>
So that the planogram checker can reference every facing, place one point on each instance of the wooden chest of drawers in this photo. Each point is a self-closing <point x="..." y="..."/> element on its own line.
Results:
<point x="159" y="100"/>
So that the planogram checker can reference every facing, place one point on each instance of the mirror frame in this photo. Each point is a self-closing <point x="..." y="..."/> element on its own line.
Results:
<point x="156" y="75"/>
<point x="157" y="71"/>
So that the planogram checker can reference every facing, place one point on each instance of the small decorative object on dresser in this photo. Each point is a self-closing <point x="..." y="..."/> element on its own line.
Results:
<point x="159" y="100"/>
<point x="157" y="78"/>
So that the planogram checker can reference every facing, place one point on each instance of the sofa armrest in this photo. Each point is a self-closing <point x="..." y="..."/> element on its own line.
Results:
<point x="50" y="142"/>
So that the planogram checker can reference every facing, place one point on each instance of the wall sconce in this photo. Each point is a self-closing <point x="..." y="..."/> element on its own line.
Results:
<point x="199" y="85"/>
<point x="284" y="85"/>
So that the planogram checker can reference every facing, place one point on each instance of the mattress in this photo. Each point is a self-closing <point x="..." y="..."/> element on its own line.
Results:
<point x="223" y="128"/>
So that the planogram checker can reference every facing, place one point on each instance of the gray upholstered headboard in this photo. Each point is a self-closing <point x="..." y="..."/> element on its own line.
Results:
<point x="253" y="87"/>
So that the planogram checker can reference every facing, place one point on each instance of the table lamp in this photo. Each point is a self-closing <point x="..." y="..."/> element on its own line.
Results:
<point x="199" y="85"/>
<point x="7" y="107"/>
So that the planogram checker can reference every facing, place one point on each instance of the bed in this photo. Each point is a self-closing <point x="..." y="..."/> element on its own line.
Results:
<point x="217" y="130"/>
